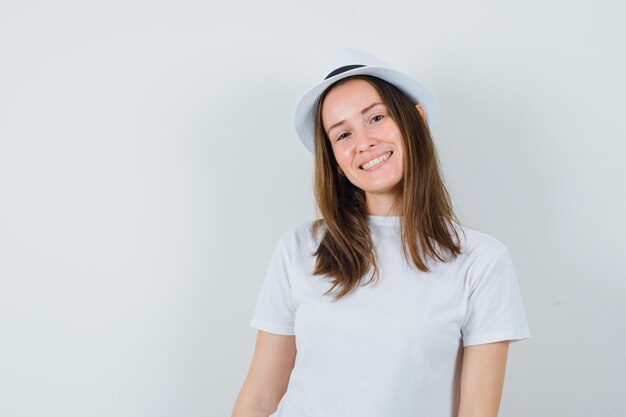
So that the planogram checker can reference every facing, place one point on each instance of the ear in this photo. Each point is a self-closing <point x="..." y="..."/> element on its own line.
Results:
<point x="421" y="110"/>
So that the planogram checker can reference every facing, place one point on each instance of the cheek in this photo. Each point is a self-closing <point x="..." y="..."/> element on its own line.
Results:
<point x="343" y="157"/>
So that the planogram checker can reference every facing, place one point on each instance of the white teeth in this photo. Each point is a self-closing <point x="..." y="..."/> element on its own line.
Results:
<point x="376" y="161"/>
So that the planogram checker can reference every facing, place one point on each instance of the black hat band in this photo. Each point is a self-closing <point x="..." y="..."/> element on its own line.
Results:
<point x="343" y="69"/>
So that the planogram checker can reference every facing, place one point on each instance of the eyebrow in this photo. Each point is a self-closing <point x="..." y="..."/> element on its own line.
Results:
<point x="365" y="110"/>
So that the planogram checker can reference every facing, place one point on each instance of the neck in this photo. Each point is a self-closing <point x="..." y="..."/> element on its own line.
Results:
<point x="382" y="205"/>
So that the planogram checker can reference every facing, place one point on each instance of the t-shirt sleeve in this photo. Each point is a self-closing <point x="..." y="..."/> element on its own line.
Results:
<point x="495" y="309"/>
<point x="274" y="311"/>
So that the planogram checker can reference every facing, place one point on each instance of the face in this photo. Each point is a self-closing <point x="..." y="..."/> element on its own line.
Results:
<point x="366" y="141"/>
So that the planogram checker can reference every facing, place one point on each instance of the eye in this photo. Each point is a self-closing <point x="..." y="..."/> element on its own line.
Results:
<point x="343" y="136"/>
<point x="377" y="118"/>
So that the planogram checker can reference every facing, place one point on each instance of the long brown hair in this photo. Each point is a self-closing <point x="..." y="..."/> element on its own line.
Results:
<point x="346" y="250"/>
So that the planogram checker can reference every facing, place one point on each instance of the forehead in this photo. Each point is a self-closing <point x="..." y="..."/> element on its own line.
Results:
<point x="352" y="89"/>
<point x="347" y="98"/>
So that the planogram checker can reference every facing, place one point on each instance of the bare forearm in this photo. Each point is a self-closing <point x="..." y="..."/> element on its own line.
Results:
<point x="248" y="407"/>
<point x="482" y="379"/>
<point x="485" y="404"/>
<point x="255" y="400"/>
<point x="268" y="377"/>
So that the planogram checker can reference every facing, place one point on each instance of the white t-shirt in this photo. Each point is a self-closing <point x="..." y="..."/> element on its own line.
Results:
<point x="391" y="349"/>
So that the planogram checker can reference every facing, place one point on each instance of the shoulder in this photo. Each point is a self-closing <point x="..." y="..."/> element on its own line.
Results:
<point x="485" y="261"/>
<point x="479" y="245"/>
<point x="303" y="235"/>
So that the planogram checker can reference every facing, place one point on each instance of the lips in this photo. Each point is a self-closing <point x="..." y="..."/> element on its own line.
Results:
<point x="380" y="157"/>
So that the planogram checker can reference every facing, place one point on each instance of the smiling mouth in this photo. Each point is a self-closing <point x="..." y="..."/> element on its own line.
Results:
<point x="376" y="161"/>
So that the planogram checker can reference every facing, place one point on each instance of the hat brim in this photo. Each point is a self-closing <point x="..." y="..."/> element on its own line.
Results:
<point x="304" y="113"/>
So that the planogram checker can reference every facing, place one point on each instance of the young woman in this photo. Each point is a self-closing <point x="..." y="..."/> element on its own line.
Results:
<point x="386" y="306"/>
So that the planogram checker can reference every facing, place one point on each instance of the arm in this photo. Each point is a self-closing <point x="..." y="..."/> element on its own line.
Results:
<point x="266" y="382"/>
<point x="482" y="379"/>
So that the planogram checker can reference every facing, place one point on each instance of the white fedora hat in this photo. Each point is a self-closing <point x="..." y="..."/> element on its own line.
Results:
<point x="348" y="62"/>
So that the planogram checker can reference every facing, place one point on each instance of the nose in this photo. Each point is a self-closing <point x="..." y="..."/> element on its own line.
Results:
<point x="365" y="139"/>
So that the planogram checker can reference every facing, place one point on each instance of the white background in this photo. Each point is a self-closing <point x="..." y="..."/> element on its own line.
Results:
<point x="148" y="165"/>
